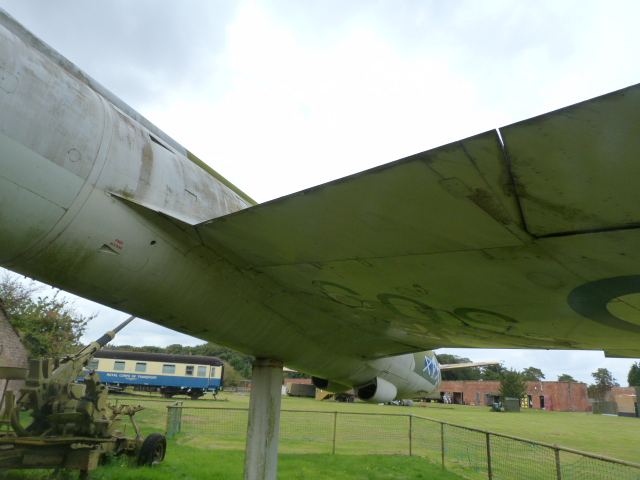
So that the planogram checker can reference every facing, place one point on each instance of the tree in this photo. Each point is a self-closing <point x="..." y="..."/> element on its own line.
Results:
<point x="604" y="377"/>
<point x="177" y="349"/>
<point x="566" y="378"/>
<point x="242" y="363"/>
<point x="494" y="372"/>
<point x="468" y="373"/>
<point x="512" y="385"/>
<point x="232" y="377"/>
<point x="532" y="374"/>
<point x="634" y="375"/>
<point x="131" y="348"/>
<point x="604" y="381"/>
<point x="49" y="326"/>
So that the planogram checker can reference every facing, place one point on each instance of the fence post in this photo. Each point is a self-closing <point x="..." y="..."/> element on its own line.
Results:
<point x="168" y="423"/>
<point x="442" y="443"/>
<point x="174" y="419"/>
<point x="335" y="425"/>
<point x="558" y="464"/>
<point x="410" y="434"/>
<point x="489" y="465"/>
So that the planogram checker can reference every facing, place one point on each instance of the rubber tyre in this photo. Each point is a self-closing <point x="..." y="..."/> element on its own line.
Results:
<point x="153" y="449"/>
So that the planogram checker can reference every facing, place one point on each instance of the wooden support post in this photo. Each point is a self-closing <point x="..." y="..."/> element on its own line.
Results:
<point x="558" y="464"/>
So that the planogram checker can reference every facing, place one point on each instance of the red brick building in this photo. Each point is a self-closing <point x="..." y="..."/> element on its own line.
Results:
<point x="561" y="396"/>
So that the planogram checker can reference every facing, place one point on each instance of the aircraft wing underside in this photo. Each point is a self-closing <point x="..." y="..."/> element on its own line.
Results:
<point x="526" y="237"/>
<point x="523" y="238"/>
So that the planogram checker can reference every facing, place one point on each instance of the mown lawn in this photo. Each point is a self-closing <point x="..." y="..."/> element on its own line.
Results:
<point x="616" y="437"/>
<point x="191" y="463"/>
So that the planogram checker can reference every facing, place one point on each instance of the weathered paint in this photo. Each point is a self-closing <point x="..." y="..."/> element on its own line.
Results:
<point x="215" y="174"/>
<point x="110" y="221"/>
<point x="527" y="238"/>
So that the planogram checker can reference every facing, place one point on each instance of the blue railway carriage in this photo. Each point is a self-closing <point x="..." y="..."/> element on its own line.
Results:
<point x="159" y="372"/>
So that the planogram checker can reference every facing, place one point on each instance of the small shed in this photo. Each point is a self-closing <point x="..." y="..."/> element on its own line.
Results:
<point x="511" y="404"/>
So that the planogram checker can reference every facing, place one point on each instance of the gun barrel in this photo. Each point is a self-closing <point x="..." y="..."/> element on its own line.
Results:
<point x="107" y="337"/>
<point x="124" y="324"/>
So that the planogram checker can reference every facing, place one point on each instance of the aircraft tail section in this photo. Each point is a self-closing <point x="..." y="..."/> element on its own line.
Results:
<point x="427" y="367"/>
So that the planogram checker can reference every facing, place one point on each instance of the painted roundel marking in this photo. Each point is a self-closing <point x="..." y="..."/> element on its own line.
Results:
<point x="593" y="300"/>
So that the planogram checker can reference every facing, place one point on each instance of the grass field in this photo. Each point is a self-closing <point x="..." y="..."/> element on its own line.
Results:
<point x="191" y="456"/>
<point x="188" y="463"/>
<point x="616" y="437"/>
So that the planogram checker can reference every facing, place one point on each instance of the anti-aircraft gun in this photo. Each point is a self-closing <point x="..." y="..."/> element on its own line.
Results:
<point x="71" y="424"/>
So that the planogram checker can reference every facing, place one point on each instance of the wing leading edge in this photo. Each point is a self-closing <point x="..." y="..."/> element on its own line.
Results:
<point x="491" y="241"/>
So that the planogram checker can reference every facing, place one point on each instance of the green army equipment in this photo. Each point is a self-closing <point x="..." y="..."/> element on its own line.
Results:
<point x="72" y="424"/>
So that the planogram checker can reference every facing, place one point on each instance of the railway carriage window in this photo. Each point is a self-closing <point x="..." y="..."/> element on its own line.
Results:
<point x="169" y="369"/>
<point x="141" y="367"/>
<point x="202" y="371"/>
<point x="93" y="365"/>
<point x="213" y="372"/>
<point x="189" y="370"/>
<point x="119" y="366"/>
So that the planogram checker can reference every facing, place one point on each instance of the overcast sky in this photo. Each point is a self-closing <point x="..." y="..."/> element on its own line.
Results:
<point x="279" y="96"/>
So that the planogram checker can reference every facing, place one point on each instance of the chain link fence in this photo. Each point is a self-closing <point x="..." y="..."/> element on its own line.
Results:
<point x="495" y="455"/>
<point x="155" y="416"/>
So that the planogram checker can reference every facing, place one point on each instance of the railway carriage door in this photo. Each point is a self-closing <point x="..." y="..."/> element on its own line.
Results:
<point x="213" y="378"/>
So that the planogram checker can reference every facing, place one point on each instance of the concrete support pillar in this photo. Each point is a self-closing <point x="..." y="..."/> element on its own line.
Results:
<point x="261" y="459"/>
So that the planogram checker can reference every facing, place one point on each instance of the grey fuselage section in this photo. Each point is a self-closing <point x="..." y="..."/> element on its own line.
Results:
<point x="98" y="202"/>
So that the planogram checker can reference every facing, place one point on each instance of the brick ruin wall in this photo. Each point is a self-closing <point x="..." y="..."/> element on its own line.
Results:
<point x="12" y="351"/>
<point x="564" y="396"/>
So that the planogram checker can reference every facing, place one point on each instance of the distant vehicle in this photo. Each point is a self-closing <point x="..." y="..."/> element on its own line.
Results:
<point x="159" y="372"/>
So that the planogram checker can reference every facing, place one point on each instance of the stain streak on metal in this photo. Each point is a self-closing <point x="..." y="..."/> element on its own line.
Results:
<point x="490" y="204"/>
